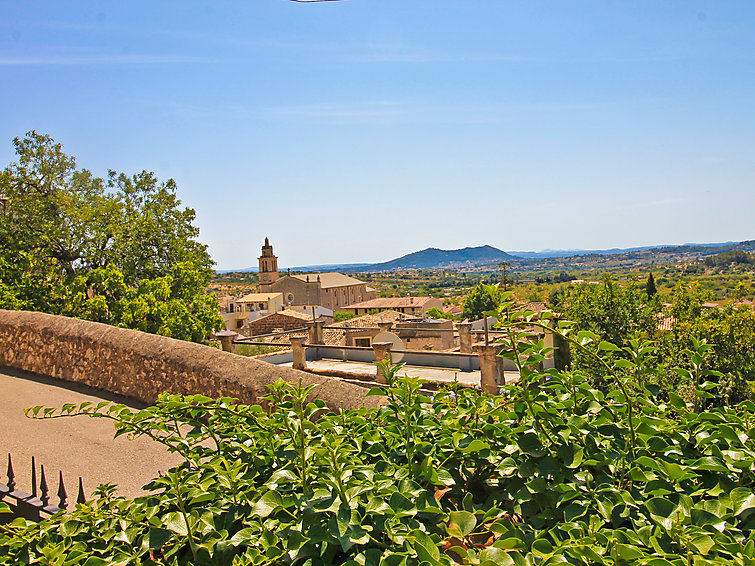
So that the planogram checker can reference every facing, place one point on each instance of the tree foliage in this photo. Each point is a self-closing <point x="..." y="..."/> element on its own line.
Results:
<point x="340" y="316"/>
<point x="615" y="312"/>
<point x="729" y="333"/>
<point x="481" y="299"/>
<point x="733" y="257"/>
<point x="552" y="471"/>
<point x="119" y="250"/>
<point x="650" y="286"/>
<point x="435" y="312"/>
<point x="619" y="314"/>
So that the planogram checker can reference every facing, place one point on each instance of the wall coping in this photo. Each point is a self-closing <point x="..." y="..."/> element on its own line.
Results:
<point x="140" y="365"/>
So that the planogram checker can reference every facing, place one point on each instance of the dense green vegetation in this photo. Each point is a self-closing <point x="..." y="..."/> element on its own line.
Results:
<point x="439" y="314"/>
<point x="480" y="300"/>
<point x="119" y="250"/>
<point x="340" y="316"/>
<point x="554" y="470"/>
<point x="622" y="313"/>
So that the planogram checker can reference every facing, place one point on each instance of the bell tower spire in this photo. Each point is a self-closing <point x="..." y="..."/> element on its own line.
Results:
<point x="268" y="268"/>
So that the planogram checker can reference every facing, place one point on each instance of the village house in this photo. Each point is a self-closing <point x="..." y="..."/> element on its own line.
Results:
<point x="417" y="306"/>
<point x="277" y="322"/>
<point x="238" y="311"/>
<point x="415" y="333"/>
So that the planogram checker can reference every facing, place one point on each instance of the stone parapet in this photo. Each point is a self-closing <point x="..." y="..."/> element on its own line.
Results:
<point x="142" y="366"/>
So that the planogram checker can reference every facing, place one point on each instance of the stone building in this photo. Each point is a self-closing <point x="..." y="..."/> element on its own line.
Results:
<point x="268" y="267"/>
<point x="416" y="306"/>
<point x="415" y="333"/>
<point x="238" y="311"/>
<point x="277" y="322"/>
<point x="330" y="290"/>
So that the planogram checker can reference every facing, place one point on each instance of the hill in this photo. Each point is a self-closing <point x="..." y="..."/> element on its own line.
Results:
<point x="434" y="258"/>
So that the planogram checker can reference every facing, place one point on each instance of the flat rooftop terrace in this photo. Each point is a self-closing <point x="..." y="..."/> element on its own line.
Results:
<point x="362" y="370"/>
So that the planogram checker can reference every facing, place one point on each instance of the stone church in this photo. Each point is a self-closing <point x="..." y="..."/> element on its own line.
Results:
<point x="330" y="290"/>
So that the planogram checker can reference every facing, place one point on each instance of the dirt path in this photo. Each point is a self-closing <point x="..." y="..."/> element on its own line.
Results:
<point x="79" y="446"/>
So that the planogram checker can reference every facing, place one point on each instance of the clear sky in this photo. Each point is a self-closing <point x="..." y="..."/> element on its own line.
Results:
<point x="361" y="130"/>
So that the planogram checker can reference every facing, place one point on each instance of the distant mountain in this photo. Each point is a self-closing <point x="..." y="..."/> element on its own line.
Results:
<point x="434" y="258"/>
<point x="575" y="252"/>
<point x="548" y="253"/>
<point x="304" y="268"/>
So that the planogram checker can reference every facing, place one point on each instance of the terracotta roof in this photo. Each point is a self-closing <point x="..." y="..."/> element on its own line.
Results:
<point x="537" y="306"/>
<point x="296" y="314"/>
<point x="258" y="297"/>
<point x="371" y="320"/>
<point x="332" y="337"/>
<point x="665" y="322"/>
<point x="330" y="280"/>
<point x="391" y="303"/>
<point x="287" y="312"/>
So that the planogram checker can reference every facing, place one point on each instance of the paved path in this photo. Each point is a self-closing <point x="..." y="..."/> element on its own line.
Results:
<point x="79" y="446"/>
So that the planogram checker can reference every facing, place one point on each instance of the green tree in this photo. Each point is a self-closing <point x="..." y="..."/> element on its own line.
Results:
<point x="480" y="299"/>
<point x="121" y="251"/>
<point x="152" y="232"/>
<point x="435" y="312"/>
<point x="728" y="332"/>
<point x="60" y="214"/>
<point x="340" y="316"/>
<point x="616" y="313"/>
<point x="650" y="286"/>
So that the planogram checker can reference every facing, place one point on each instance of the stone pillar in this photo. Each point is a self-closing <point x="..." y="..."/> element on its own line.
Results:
<point x="316" y="332"/>
<point x="226" y="340"/>
<point x="385" y="326"/>
<point x="558" y="357"/>
<point x="382" y="352"/>
<point x="465" y="337"/>
<point x="549" y="341"/>
<point x="490" y="367"/>
<point x="300" y="352"/>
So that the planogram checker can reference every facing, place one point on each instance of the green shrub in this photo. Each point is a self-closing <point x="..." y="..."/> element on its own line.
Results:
<point x="551" y="471"/>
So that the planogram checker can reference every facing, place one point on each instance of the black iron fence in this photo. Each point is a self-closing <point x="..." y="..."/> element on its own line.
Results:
<point x="36" y="505"/>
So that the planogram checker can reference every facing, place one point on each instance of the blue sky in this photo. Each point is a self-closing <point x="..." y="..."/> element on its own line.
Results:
<point x="361" y="130"/>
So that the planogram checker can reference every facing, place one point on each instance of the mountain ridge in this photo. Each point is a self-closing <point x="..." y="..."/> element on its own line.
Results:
<point x="436" y="258"/>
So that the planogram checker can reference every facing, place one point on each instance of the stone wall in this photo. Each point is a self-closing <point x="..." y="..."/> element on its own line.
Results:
<point x="142" y="366"/>
<point x="276" y="322"/>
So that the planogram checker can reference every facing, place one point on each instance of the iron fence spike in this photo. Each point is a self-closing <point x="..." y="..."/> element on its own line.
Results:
<point x="33" y="477"/>
<point x="11" y="475"/>
<point x="62" y="495"/>
<point x="81" y="498"/>
<point x="43" y="489"/>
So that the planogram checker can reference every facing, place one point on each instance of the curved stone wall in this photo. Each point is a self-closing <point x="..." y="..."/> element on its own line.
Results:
<point x="141" y="366"/>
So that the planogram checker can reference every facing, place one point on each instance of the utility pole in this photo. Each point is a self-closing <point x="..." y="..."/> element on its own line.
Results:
<point x="504" y="278"/>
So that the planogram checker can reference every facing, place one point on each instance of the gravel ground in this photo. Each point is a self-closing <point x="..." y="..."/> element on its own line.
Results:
<point x="78" y="446"/>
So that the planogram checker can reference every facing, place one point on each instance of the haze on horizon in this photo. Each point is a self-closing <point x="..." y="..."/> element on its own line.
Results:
<point x="360" y="131"/>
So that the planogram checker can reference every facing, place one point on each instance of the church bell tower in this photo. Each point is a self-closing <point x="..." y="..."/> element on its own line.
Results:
<point x="268" y="268"/>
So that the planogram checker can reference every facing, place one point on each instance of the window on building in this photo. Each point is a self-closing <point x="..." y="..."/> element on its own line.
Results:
<point x="362" y="342"/>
